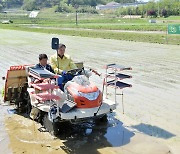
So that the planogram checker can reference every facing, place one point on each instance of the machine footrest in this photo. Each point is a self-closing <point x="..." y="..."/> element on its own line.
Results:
<point x="67" y="106"/>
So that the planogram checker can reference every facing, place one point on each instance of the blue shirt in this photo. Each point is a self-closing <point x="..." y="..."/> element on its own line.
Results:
<point x="48" y="67"/>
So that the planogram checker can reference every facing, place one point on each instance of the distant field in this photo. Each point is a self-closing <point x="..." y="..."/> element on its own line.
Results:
<point x="47" y="18"/>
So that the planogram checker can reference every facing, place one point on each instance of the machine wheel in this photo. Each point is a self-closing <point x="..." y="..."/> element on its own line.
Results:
<point x="36" y="114"/>
<point x="28" y="105"/>
<point x="51" y="127"/>
<point x="102" y="119"/>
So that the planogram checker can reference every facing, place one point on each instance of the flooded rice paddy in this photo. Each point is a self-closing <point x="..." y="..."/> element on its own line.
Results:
<point x="151" y="122"/>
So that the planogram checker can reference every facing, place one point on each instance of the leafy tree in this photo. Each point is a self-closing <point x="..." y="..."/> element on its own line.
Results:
<point x="161" y="7"/>
<point x="64" y="7"/>
<point x="87" y="9"/>
<point x="11" y="3"/>
<point x="30" y="5"/>
<point x="53" y="2"/>
<point x="152" y="13"/>
<point x="164" y="13"/>
<point x="129" y="11"/>
<point x="137" y="11"/>
<point x="1" y="7"/>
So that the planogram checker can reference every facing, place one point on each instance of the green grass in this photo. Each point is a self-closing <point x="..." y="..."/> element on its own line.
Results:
<point x="47" y="17"/>
<point x="107" y="24"/>
<point x="152" y="38"/>
<point x="171" y="18"/>
<point x="55" y="22"/>
<point x="133" y="27"/>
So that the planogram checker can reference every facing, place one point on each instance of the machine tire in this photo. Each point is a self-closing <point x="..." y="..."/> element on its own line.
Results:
<point x="51" y="127"/>
<point x="102" y="119"/>
<point x="28" y="106"/>
<point x="36" y="114"/>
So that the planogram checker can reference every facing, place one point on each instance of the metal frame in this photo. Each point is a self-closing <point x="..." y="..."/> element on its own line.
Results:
<point x="116" y="68"/>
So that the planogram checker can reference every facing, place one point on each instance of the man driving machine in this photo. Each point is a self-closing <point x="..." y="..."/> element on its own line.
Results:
<point x="61" y="63"/>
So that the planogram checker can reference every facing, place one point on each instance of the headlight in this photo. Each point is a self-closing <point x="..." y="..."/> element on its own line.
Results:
<point x="90" y="96"/>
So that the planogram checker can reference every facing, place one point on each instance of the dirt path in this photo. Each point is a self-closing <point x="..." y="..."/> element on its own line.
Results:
<point x="151" y="121"/>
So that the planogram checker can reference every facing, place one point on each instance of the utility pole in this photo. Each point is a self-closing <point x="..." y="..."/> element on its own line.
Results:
<point x="76" y="7"/>
<point x="76" y="19"/>
<point x="158" y="8"/>
<point x="143" y="11"/>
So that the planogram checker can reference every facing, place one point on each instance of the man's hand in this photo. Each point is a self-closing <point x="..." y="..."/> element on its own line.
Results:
<point x="64" y="72"/>
<point x="58" y="71"/>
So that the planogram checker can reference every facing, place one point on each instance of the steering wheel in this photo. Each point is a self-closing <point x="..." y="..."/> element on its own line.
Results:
<point x="74" y="71"/>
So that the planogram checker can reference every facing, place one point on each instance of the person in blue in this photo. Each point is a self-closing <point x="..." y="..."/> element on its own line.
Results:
<point x="62" y="63"/>
<point x="43" y="64"/>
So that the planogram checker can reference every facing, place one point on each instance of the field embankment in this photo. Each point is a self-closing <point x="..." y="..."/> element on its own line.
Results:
<point x="96" y="26"/>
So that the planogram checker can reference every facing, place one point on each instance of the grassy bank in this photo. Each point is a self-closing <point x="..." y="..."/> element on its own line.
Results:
<point x="91" y="21"/>
<point x="100" y="25"/>
<point x="138" y="37"/>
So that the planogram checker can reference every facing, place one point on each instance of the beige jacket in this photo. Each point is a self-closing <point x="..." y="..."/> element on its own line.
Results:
<point x="65" y="63"/>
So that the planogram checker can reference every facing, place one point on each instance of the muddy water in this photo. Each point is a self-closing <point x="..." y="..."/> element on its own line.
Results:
<point x="151" y="121"/>
<point x="4" y="140"/>
<point x="85" y="138"/>
<point x="25" y="137"/>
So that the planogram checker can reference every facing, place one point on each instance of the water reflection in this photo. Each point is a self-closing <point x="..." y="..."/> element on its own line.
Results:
<point x="89" y="137"/>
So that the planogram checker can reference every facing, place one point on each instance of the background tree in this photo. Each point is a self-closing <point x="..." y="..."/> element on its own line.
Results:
<point x="162" y="7"/>
<point x="30" y="5"/>
<point x="152" y="13"/>
<point x="164" y="13"/>
<point x="11" y="3"/>
<point x="1" y="7"/>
